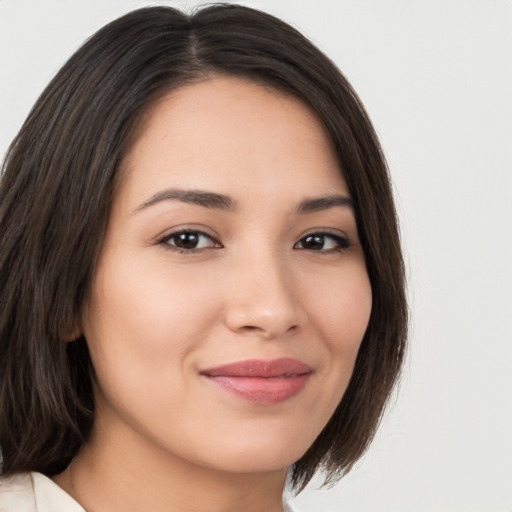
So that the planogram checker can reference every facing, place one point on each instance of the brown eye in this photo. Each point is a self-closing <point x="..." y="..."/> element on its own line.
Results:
<point x="322" y="242"/>
<point x="189" y="240"/>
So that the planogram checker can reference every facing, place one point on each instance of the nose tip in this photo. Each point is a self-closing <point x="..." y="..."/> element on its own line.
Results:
<point x="267" y="307"/>
<point x="264" y="321"/>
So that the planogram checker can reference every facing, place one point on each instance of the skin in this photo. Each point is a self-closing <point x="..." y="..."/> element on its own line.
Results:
<point x="165" y="437"/>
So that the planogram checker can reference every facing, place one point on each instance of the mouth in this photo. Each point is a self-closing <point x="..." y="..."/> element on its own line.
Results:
<point x="261" y="381"/>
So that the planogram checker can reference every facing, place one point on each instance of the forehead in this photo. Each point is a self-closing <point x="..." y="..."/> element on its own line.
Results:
<point x="223" y="132"/>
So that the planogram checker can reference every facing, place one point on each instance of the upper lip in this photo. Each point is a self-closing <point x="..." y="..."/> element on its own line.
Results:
<point x="260" y="368"/>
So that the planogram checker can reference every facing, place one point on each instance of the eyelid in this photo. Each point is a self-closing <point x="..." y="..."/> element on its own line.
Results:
<point x="188" y="228"/>
<point x="163" y="240"/>
<point x="328" y="232"/>
<point x="337" y="235"/>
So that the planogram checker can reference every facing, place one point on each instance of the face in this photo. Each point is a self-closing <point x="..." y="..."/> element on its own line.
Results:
<point x="231" y="294"/>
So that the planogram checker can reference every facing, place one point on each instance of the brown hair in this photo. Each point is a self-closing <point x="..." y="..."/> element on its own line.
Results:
<point x="57" y="185"/>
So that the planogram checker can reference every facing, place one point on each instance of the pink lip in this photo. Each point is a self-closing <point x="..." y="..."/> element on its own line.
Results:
<point x="262" y="381"/>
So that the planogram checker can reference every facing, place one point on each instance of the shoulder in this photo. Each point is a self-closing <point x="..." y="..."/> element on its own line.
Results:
<point x="17" y="493"/>
<point x="34" y="492"/>
<point x="287" y="507"/>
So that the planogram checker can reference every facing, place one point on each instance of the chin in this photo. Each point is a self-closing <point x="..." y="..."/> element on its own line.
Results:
<point x="256" y="453"/>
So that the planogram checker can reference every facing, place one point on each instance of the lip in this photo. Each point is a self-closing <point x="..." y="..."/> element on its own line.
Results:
<point x="261" y="381"/>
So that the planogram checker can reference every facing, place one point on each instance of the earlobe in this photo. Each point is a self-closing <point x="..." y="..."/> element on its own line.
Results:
<point x="73" y="337"/>
<point x="71" y="333"/>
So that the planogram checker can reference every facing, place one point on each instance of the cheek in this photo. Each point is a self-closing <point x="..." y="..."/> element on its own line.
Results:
<point x="149" y="304"/>
<point x="341" y="314"/>
<point x="142" y="324"/>
<point x="342" y="305"/>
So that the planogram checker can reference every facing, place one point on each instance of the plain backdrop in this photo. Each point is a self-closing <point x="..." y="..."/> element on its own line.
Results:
<point x="436" y="78"/>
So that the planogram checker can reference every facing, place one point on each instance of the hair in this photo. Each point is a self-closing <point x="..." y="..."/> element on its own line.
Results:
<point x="58" y="181"/>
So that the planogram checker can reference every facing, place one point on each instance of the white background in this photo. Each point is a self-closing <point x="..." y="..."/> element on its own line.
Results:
<point x="436" y="77"/>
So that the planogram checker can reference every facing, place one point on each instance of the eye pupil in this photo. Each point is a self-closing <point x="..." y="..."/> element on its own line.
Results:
<point x="314" y="242"/>
<point x="186" y="240"/>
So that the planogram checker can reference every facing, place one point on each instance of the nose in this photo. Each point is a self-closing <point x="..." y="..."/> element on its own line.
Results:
<point x="264" y="299"/>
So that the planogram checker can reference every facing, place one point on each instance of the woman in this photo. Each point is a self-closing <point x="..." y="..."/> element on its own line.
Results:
<point x="202" y="283"/>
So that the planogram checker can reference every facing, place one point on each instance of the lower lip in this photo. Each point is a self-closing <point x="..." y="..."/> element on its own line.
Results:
<point x="262" y="390"/>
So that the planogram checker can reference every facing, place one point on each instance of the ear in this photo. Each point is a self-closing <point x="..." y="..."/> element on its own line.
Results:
<point x="70" y="332"/>
<point x="72" y="336"/>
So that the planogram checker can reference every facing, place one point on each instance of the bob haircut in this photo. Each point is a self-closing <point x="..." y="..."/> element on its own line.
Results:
<point x="59" y="180"/>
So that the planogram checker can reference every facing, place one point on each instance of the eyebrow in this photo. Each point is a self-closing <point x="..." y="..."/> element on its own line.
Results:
<point x="197" y="197"/>
<point x="217" y="201"/>
<point x="316" y="204"/>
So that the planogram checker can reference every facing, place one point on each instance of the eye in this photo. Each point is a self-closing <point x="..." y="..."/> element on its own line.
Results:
<point x="188" y="240"/>
<point x="323" y="242"/>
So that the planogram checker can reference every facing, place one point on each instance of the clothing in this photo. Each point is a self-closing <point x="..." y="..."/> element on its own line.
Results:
<point x="35" y="492"/>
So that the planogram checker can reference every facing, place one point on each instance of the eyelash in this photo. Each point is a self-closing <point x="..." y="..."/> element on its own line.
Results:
<point x="175" y="234"/>
<point x="342" y="243"/>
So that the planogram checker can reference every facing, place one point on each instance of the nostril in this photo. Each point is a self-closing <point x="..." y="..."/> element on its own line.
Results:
<point x="264" y="317"/>
<point x="252" y="328"/>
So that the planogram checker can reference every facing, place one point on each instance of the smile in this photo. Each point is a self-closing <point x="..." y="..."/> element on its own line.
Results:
<point x="262" y="381"/>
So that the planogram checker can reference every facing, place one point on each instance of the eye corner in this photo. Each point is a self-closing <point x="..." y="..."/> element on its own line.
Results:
<point x="188" y="241"/>
<point x="316" y="241"/>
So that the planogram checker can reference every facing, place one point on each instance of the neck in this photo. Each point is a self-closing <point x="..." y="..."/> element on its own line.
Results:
<point x="114" y="473"/>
